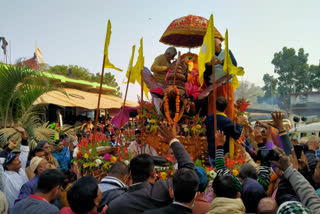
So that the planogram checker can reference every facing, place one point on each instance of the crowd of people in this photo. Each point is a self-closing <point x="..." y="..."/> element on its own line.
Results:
<point x="275" y="178"/>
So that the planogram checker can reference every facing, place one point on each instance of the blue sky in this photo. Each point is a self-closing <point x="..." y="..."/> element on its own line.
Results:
<point x="73" y="31"/>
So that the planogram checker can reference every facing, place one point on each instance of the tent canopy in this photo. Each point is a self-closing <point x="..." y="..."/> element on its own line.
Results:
<point x="77" y="98"/>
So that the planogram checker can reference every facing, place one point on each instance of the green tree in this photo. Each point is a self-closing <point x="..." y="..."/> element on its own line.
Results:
<point x="290" y="67"/>
<point x="83" y="73"/>
<point x="315" y="76"/>
<point x="270" y="86"/>
<point x="20" y="87"/>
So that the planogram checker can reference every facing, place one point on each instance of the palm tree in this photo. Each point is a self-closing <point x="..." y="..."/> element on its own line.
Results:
<point x="20" y="87"/>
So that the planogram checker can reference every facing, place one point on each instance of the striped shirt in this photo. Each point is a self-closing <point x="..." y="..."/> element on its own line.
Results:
<point x="109" y="183"/>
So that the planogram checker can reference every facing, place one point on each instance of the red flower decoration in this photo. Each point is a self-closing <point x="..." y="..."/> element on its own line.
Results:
<point x="169" y="158"/>
<point x="79" y="155"/>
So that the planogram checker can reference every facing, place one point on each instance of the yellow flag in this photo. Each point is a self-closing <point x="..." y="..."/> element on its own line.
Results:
<point x="38" y="54"/>
<point x="107" y="63"/>
<point x="207" y="49"/>
<point x="136" y="71"/>
<point x="228" y="66"/>
<point x="132" y="79"/>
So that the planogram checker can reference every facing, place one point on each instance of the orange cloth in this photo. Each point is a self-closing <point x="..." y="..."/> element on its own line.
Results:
<point x="274" y="181"/>
<point x="64" y="200"/>
<point x="223" y="91"/>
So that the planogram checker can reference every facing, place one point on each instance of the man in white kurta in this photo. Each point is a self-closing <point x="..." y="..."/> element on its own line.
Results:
<point x="14" y="175"/>
<point x="135" y="146"/>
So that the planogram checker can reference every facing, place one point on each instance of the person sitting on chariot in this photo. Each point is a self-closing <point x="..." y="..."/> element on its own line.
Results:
<point x="135" y="146"/>
<point x="160" y="68"/>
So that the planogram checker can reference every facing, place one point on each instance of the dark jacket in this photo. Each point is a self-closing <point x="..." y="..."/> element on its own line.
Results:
<point x="145" y="196"/>
<point x="285" y="192"/>
<point x="223" y="124"/>
<point x="171" y="209"/>
<point x="110" y="195"/>
<point x="28" y="188"/>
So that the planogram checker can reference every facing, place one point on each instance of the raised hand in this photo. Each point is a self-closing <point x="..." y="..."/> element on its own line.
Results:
<point x="284" y="162"/>
<point x="22" y="131"/>
<point x="12" y="144"/>
<point x="277" y="120"/>
<point x="220" y="138"/>
<point x="166" y="133"/>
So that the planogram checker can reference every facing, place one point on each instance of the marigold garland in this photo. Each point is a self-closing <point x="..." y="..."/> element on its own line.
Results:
<point x="166" y="105"/>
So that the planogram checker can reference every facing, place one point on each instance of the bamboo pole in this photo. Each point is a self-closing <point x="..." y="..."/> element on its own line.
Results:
<point x="174" y="83"/>
<point x="141" y="107"/>
<point x="125" y="99"/>
<point x="214" y="90"/>
<point x="98" y="106"/>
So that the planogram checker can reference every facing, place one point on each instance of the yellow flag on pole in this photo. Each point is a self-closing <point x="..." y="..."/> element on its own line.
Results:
<point x="107" y="63"/>
<point x="136" y="71"/>
<point x="207" y="49"/>
<point x="132" y="79"/>
<point x="228" y="66"/>
<point x="38" y="54"/>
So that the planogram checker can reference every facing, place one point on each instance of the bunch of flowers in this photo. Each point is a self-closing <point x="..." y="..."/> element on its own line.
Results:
<point x="149" y="117"/>
<point x="193" y="126"/>
<point x="234" y="164"/>
<point x="87" y="160"/>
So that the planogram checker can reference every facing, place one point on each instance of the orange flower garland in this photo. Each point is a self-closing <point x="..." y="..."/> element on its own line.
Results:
<point x="166" y="105"/>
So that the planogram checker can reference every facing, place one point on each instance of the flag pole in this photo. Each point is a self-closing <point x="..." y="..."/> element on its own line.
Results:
<point x="141" y="107"/>
<point x="125" y="99"/>
<point x="214" y="83"/>
<point x="99" y="98"/>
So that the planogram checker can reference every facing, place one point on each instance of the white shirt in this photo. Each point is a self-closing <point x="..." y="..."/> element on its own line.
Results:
<point x="13" y="181"/>
<point x="147" y="149"/>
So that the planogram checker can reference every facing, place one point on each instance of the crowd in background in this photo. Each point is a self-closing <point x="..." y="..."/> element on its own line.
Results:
<point x="280" y="175"/>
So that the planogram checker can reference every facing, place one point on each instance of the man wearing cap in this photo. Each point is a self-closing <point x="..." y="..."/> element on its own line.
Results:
<point x="135" y="146"/>
<point x="3" y="154"/>
<point x="14" y="175"/>
<point x="37" y="165"/>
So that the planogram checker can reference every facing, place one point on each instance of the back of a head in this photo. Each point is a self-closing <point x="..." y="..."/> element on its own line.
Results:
<point x="225" y="186"/>
<point x="252" y="192"/>
<point x="141" y="167"/>
<point x="48" y="180"/>
<point x="34" y="151"/>
<point x="82" y="194"/>
<point x="203" y="179"/>
<point x="42" y="143"/>
<point x="247" y="171"/>
<point x="185" y="185"/>
<point x="267" y="205"/>
<point x="118" y="170"/>
<point x="221" y="104"/>
<point x="172" y="51"/>
<point x="293" y="207"/>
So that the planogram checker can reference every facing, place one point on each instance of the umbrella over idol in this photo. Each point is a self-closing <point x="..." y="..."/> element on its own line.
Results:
<point x="187" y="32"/>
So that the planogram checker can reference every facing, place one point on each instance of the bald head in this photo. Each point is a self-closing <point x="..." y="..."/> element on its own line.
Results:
<point x="170" y="53"/>
<point x="267" y="206"/>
